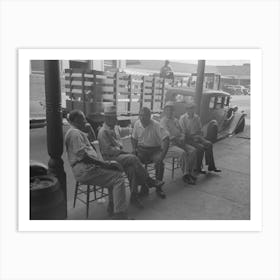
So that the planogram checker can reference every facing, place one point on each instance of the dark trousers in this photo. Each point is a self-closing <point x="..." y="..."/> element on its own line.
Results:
<point x="203" y="146"/>
<point x="152" y="154"/>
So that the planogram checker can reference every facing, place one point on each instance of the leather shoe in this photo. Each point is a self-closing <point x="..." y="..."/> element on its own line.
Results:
<point x="188" y="179"/>
<point x="144" y="191"/>
<point x="214" y="169"/>
<point x="152" y="183"/>
<point x="201" y="171"/>
<point x="160" y="193"/>
<point x="136" y="202"/>
<point x="193" y="177"/>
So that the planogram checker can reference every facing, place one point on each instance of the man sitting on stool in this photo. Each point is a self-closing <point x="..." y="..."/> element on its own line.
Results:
<point x="191" y="126"/>
<point x="86" y="166"/>
<point x="150" y="143"/>
<point x="112" y="149"/>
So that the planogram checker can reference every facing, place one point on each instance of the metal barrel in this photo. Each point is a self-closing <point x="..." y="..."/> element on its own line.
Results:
<point x="46" y="198"/>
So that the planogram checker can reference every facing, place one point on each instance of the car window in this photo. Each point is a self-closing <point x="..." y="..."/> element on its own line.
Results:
<point x="219" y="102"/>
<point x="212" y="103"/>
<point x="227" y="101"/>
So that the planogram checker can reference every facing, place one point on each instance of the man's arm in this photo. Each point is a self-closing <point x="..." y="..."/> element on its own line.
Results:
<point x="113" y="165"/>
<point x="165" y="146"/>
<point x="90" y="132"/>
<point x="108" y="148"/>
<point x="134" y="143"/>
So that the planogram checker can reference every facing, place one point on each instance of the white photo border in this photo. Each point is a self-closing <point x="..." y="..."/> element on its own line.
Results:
<point x="255" y="222"/>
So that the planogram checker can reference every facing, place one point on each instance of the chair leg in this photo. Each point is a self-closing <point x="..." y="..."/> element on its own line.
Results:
<point x="110" y="208"/>
<point x="173" y="167"/>
<point x="75" y="195"/>
<point x="88" y="194"/>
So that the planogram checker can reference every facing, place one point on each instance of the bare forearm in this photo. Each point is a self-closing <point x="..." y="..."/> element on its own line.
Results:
<point x="89" y="159"/>
<point x="134" y="143"/>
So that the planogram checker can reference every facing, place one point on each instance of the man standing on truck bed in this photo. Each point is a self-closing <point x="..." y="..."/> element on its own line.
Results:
<point x="166" y="71"/>
<point x="109" y="137"/>
<point x="150" y="143"/>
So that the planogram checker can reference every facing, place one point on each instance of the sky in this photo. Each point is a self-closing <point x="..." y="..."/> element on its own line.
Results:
<point x="217" y="62"/>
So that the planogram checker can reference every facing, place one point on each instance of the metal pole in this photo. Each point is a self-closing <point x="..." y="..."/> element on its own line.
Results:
<point x="199" y="84"/>
<point x="54" y="125"/>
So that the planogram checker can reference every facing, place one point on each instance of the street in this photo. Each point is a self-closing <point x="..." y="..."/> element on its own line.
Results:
<point x="225" y="196"/>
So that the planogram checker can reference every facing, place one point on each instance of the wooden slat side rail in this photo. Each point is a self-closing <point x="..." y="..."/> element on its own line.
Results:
<point x="117" y="89"/>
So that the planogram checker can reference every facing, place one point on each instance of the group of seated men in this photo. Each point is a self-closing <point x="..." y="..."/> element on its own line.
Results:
<point x="151" y="143"/>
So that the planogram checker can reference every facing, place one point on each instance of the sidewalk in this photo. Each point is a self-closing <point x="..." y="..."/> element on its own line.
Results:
<point x="222" y="196"/>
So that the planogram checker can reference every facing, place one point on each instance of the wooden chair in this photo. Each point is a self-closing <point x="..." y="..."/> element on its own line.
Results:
<point x="84" y="192"/>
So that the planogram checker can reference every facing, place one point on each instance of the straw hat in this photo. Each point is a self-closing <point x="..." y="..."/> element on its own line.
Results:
<point x="110" y="111"/>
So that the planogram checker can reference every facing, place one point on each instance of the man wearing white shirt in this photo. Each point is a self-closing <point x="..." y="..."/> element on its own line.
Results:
<point x="150" y="143"/>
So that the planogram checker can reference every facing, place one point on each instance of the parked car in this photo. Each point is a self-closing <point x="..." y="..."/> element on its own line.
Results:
<point x="218" y="118"/>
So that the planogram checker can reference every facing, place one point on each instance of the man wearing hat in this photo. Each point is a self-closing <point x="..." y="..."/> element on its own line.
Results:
<point x="191" y="126"/>
<point x="178" y="148"/>
<point x="109" y="137"/>
<point x="88" y="168"/>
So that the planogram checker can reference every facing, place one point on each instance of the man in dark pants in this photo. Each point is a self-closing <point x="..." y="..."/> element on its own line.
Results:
<point x="109" y="137"/>
<point x="150" y="143"/>
<point x="191" y="126"/>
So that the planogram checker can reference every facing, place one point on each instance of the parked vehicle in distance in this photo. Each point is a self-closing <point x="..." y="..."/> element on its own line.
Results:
<point x="236" y="89"/>
<point x="218" y="118"/>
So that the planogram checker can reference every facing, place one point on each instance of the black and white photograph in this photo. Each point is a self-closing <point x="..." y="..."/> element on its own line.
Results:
<point x="140" y="139"/>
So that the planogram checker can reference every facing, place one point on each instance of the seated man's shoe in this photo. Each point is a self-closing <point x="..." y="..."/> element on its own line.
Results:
<point x="188" y="179"/>
<point x="158" y="183"/>
<point x="144" y="191"/>
<point x="160" y="193"/>
<point x="214" y="169"/>
<point x="134" y="200"/>
<point x="201" y="171"/>
<point x="154" y="183"/>
<point x="194" y="178"/>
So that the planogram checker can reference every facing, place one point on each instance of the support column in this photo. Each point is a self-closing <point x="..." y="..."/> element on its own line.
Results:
<point x="54" y="125"/>
<point x="199" y="84"/>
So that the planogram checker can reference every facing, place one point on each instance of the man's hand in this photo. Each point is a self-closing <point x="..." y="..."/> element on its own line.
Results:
<point x="113" y="165"/>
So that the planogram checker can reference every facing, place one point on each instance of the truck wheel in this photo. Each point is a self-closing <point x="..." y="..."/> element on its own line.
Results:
<point x="240" y="126"/>
<point x="212" y="134"/>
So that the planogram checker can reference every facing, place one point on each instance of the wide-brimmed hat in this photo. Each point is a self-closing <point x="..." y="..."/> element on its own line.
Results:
<point x="110" y="111"/>
<point x="169" y="104"/>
